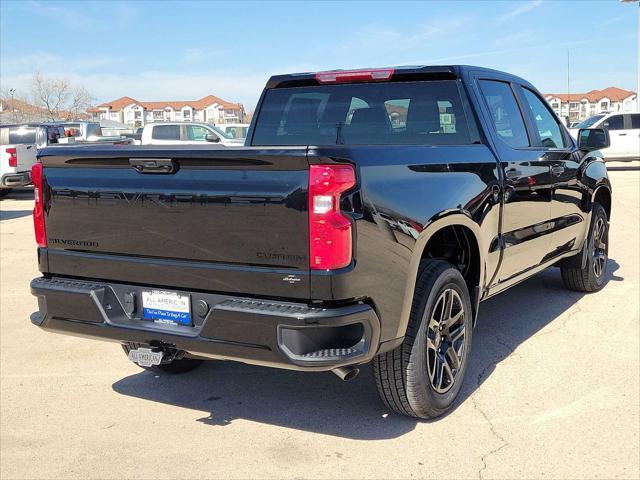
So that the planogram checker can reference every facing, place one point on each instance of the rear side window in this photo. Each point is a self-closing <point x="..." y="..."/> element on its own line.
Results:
<point x="546" y="124"/>
<point x="398" y="113"/>
<point x="166" y="132"/>
<point x="22" y="135"/>
<point x="635" y="120"/>
<point x="505" y="113"/>
<point x="615" y="122"/>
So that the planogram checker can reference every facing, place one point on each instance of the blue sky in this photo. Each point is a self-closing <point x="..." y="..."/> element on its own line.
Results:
<point x="161" y="50"/>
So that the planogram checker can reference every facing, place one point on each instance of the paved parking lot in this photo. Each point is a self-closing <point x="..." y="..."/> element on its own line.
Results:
<point x="552" y="391"/>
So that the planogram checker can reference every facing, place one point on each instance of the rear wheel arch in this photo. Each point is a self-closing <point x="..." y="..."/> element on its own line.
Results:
<point x="602" y="196"/>
<point x="432" y="243"/>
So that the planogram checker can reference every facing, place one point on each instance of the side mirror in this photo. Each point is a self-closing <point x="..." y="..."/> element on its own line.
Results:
<point x="212" y="138"/>
<point x="590" y="139"/>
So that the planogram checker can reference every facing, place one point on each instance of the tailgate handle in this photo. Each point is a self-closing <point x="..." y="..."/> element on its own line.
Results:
<point x="153" y="165"/>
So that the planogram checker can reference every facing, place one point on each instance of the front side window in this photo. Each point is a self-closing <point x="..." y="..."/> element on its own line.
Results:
<point x="548" y="129"/>
<point x="385" y="113"/>
<point x="589" y="121"/>
<point x="197" y="133"/>
<point x="615" y="122"/>
<point x="166" y="132"/>
<point x="505" y="113"/>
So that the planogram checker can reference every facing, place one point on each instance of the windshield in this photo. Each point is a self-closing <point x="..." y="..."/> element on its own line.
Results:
<point x="589" y="121"/>
<point x="410" y="113"/>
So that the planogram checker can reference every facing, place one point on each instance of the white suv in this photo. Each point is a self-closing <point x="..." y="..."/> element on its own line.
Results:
<point x="624" y="131"/>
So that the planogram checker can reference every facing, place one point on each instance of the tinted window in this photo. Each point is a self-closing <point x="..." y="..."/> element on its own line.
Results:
<point x="635" y="120"/>
<point x="410" y="113"/>
<point x="505" y="113"/>
<point x="546" y="124"/>
<point x="166" y="132"/>
<point x="615" y="122"/>
<point x="22" y="135"/>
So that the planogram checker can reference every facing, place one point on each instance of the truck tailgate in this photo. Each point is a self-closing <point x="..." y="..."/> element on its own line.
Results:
<point x="228" y="220"/>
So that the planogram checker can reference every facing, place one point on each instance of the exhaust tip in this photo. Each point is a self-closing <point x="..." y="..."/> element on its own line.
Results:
<point x="346" y="374"/>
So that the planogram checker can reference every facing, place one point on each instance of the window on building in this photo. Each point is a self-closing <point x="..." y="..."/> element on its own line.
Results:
<point x="555" y="105"/>
<point x="158" y="114"/>
<point x="505" y="113"/>
<point x="186" y="113"/>
<point x="604" y="105"/>
<point x="548" y="128"/>
<point x="166" y="132"/>
<point x="574" y="105"/>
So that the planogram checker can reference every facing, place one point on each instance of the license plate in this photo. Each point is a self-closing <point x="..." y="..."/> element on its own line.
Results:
<point x="145" y="357"/>
<point x="163" y="306"/>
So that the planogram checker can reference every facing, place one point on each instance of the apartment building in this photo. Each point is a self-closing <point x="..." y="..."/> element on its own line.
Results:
<point x="580" y="106"/>
<point x="209" y="109"/>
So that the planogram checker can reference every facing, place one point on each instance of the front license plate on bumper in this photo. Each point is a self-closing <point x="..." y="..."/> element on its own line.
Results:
<point x="163" y="306"/>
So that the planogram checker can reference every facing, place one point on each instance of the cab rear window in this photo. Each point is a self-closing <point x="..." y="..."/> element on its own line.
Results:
<point x="397" y="113"/>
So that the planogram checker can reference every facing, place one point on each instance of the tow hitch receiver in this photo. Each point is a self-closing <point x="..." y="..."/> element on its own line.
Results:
<point x="145" y="357"/>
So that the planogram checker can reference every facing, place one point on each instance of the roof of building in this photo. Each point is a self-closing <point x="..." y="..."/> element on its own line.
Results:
<point x="204" y="102"/>
<point x="614" y="94"/>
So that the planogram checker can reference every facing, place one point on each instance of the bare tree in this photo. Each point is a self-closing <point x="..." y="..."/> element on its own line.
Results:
<point x="58" y="98"/>
<point x="50" y="94"/>
<point x="79" y="100"/>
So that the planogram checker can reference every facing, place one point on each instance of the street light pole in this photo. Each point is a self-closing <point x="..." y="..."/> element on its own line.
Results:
<point x="637" y="54"/>
<point x="12" y="92"/>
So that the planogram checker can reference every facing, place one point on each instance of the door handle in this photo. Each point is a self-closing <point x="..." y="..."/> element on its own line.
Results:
<point x="153" y="165"/>
<point x="557" y="170"/>
<point x="622" y="134"/>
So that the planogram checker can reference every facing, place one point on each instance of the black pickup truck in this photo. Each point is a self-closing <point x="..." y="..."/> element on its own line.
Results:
<point x="366" y="219"/>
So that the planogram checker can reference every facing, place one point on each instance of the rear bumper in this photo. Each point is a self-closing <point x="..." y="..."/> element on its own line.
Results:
<point x="260" y="332"/>
<point x="13" y="180"/>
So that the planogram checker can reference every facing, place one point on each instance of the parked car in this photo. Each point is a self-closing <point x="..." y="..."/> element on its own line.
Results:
<point x="83" y="132"/>
<point x="18" y="150"/>
<point x="624" y="131"/>
<point x="235" y="130"/>
<point x="185" y="133"/>
<point x="335" y="238"/>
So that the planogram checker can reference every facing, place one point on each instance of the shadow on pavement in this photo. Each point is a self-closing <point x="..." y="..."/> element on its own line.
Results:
<point x="11" y="214"/>
<point x="321" y="403"/>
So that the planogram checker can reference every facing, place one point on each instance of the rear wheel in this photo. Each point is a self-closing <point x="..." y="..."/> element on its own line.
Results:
<point x="172" y="364"/>
<point x="591" y="276"/>
<point x="423" y="376"/>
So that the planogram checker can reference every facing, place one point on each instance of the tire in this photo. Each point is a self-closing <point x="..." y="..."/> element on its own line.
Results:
<point x="591" y="277"/>
<point x="406" y="377"/>
<point x="4" y="192"/>
<point x="175" y="366"/>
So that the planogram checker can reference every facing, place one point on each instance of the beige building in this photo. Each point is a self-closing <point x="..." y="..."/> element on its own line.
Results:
<point x="209" y="109"/>
<point x="580" y="106"/>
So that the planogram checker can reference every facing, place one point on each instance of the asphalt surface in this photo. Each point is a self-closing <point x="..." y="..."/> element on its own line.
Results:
<point x="552" y="392"/>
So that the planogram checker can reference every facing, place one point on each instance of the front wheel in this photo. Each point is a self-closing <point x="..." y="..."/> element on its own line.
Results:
<point x="591" y="276"/>
<point x="422" y="377"/>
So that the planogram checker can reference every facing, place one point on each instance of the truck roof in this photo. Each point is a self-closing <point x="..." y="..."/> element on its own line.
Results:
<point x="408" y="72"/>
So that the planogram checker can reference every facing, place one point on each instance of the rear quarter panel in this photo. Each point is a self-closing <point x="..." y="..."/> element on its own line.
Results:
<point x="405" y="194"/>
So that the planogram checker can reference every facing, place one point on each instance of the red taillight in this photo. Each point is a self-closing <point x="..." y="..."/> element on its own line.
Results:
<point x="38" y="209"/>
<point x="329" y="230"/>
<point x="13" y="156"/>
<point x="352" y="76"/>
